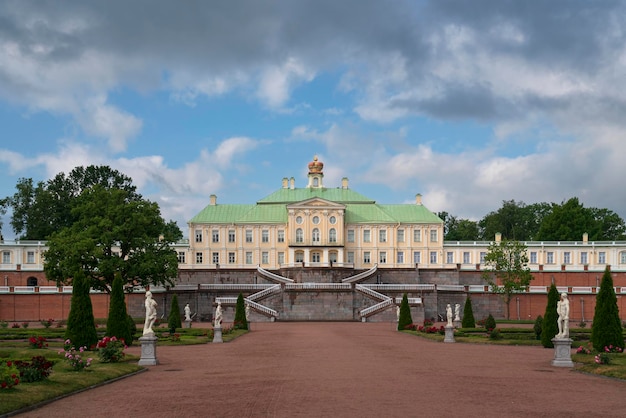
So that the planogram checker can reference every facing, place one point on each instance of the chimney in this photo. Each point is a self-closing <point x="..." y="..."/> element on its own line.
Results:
<point x="285" y="182"/>
<point x="498" y="236"/>
<point x="344" y="183"/>
<point x="418" y="199"/>
<point x="292" y="183"/>
<point x="213" y="200"/>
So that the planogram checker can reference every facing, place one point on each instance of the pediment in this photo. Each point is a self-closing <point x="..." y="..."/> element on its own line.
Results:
<point x="316" y="203"/>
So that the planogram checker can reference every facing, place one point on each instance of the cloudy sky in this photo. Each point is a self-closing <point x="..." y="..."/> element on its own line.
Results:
<point x="467" y="102"/>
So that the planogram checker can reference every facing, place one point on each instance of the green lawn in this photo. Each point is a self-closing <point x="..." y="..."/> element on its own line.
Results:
<point x="63" y="380"/>
<point x="520" y="336"/>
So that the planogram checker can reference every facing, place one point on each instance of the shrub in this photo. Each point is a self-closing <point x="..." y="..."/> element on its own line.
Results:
<point x="602" y="358"/>
<point x="495" y="334"/>
<point x="606" y="329"/>
<point x="468" y="315"/>
<point x="240" y="321"/>
<point x="15" y="325"/>
<point x="9" y="375"/>
<point x="38" y="369"/>
<point x="111" y="349"/>
<point x="75" y="357"/>
<point x="538" y="327"/>
<point x="25" y="325"/>
<point x="584" y="350"/>
<point x="173" y="319"/>
<point x="117" y="321"/>
<point x="81" y="328"/>
<point x="490" y="323"/>
<point x="549" y="327"/>
<point x="405" y="313"/>
<point x="47" y="323"/>
<point x="37" y="342"/>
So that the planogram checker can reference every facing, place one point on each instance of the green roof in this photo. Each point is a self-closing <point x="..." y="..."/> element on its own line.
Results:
<point x="272" y="209"/>
<point x="297" y="195"/>
<point x="411" y="213"/>
<point x="220" y="214"/>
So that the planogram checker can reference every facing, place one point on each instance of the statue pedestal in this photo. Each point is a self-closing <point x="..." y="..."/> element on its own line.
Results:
<point x="148" y="350"/>
<point x="187" y="324"/>
<point x="217" y="335"/>
<point x="449" y="338"/>
<point x="562" y="352"/>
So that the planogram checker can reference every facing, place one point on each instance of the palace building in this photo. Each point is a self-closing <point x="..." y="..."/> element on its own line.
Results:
<point x="329" y="253"/>
<point x="315" y="226"/>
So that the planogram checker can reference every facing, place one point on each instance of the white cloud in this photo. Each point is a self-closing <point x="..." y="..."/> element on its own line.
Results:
<point x="276" y="82"/>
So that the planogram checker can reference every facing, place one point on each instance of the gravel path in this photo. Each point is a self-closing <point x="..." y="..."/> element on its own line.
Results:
<point x="347" y="370"/>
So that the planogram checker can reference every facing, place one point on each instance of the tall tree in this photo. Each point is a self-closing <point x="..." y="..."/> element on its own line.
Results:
<point x="117" y="322"/>
<point x="173" y="319"/>
<point x="41" y="209"/>
<point x="468" y="315"/>
<point x="114" y="233"/>
<point x="405" y="318"/>
<point x="549" y="326"/>
<point x="81" y="326"/>
<point x="570" y="220"/>
<point x="507" y="269"/>
<point x="514" y="220"/>
<point x="606" y="329"/>
<point x="456" y="229"/>
<point x="241" y="322"/>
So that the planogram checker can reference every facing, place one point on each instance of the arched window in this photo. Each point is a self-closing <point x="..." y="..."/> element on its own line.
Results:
<point x="31" y="281"/>
<point x="299" y="235"/>
<point x="316" y="235"/>
<point x="316" y="257"/>
<point x="332" y="235"/>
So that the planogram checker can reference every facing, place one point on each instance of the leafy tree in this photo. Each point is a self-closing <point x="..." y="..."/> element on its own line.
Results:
<point x="405" y="314"/>
<point x="538" y="327"/>
<point x="549" y="327"/>
<point x="173" y="319"/>
<point x="507" y="271"/>
<point x="456" y="229"/>
<point x="41" y="209"/>
<point x="114" y="232"/>
<point x="514" y="220"/>
<point x="117" y="322"/>
<point x="240" y="314"/>
<point x="3" y="210"/>
<point x="468" y="315"/>
<point x="81" y="327"/>
<point x="606" y="328"/>
<point x="570" y="220"/>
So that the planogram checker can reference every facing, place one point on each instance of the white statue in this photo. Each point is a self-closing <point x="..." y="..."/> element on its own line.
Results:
<point x="218" y="315"/>
<point x="247" y="312"/>
<point x="449" y="314"/>
<point x="457" y="312"/>
<point x="562" y="308"/>
<point x="187" y="313"/>
<point x="398" y="313"/>
<point x="151" y="314"/>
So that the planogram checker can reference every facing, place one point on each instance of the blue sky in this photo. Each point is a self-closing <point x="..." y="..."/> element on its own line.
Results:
<point x="467" y="103"/>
